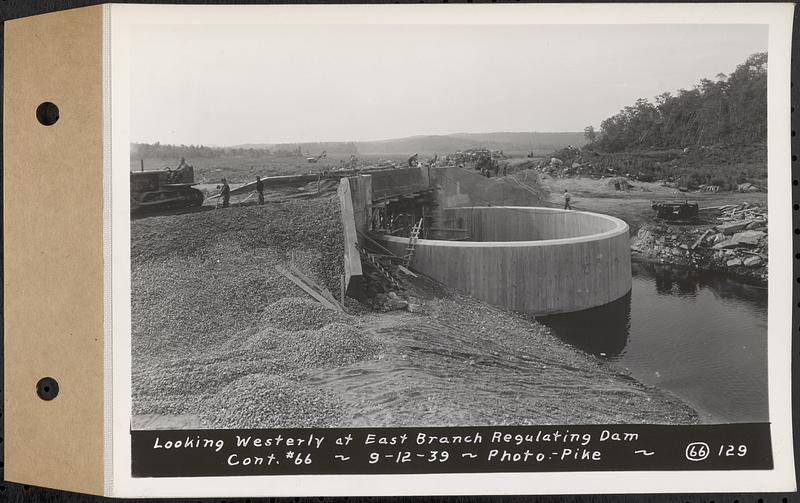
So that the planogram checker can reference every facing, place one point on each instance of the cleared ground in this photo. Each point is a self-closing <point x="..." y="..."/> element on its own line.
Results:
<point x="634" y="205"/>
<point x="244" y="168"/>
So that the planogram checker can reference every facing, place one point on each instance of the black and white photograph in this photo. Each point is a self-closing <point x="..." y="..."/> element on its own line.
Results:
<point x="414" y="225"/>
<point x="522" y="236"/>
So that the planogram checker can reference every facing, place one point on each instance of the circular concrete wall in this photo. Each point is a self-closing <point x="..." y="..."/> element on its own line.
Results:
<point x="534" y="260"/>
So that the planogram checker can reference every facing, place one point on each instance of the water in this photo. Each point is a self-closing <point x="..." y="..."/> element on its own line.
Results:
<point x="701" y="336"/>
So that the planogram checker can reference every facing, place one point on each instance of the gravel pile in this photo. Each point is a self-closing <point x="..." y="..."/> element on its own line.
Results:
<point x="269" y="401"/>
<point x="293" y="313"/>
<point x="201" y="278"/>
<point x="313" y="225"/>
<point x="333" y="345"/>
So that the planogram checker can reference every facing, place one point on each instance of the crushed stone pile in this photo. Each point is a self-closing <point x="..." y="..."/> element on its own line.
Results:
<point x="294" y="313"/>
<point x="294" y="336"/>
<point x="283" y="227"/>
<point x="269" y="401"/>
<point x="199" y="278"/>
<point x="333" y="345"/>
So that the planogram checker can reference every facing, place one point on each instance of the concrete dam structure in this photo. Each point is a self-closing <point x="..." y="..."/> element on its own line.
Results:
<point x="534" y="260"/>
<point x="529" y="259"/>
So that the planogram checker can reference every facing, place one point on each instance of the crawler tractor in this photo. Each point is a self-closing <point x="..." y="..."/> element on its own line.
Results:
<point x="165" y="189"/>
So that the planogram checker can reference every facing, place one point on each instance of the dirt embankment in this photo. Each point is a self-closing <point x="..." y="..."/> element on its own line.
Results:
<point x="221" y="337"/>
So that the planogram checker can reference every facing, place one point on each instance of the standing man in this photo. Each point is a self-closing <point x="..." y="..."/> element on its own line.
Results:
<point x="260" y="190"/>
<point x="567" y="197"/>
<point x="225" y="193"/>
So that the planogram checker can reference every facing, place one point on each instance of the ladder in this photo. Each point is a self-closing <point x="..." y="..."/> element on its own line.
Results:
<point x="412" y="243"/>
<point x="373" y="261"/>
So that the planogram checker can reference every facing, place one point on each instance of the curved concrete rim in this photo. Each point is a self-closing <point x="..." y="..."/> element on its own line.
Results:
<point x="620" y="228"/>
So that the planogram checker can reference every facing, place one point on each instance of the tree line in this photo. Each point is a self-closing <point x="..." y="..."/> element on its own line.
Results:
<point x="161" y="151"/>
<point x="731" y="110"/>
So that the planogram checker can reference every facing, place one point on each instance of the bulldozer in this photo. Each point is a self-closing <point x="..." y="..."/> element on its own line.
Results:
<point x="165" y="189"/>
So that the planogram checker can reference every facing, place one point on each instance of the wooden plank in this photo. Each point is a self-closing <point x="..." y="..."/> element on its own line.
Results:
<point x="700" y="239"/>
<point x="319" y="289"/>
<point x="297" y="281"/>
<point x="407" y="272"/>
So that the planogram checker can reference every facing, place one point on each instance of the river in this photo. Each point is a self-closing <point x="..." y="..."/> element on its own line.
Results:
<point x="701" y="336"/>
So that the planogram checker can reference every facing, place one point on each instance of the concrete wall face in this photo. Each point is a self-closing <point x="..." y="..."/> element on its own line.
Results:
<point x="526" y="224"/>
<point x="555" y="275"/>
<point x="397" y="181"/>
<point x="353" y="275"/>
<point x="361" y="196"/>
<point x="462" y="187"/>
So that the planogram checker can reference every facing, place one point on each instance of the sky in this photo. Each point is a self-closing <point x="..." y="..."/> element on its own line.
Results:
<point x="227" y="85"/>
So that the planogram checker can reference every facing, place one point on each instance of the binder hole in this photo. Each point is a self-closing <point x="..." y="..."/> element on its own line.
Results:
<point x="47" y="113"/>
<point x="47" y="388"/>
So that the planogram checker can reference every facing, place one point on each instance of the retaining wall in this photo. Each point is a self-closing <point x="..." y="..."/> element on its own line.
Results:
<point x="355" y="198"/>
<point x="534" y="260"/>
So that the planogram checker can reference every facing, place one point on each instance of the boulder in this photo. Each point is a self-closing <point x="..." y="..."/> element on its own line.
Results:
<point x="753" y="261"/>
<point x="716" y="238"/>
<point x="749" y="237"/>
<point x="741" y="239"/>
<point x="734" y="262"/>
<point x="395" y="304"/>
<point x="644" y="239"/>
<point x="722" y="245"/>
<point x="755" y="224"/>
<point x="734" y="227"/>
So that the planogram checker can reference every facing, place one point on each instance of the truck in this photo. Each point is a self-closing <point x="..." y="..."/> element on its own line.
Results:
<point x="676" y="211"/>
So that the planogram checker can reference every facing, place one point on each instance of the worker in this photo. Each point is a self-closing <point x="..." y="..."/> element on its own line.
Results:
<point x="412" y="161"/>
<point x="567" y="197"/>
<point x="260" y="190"/>
<point x="225" y="193"/>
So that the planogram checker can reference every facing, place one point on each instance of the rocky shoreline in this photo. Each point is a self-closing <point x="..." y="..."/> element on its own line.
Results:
<point x="732" y="241"/>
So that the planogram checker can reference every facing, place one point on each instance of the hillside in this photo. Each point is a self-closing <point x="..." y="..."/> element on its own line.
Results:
<point x="536" y="142"/>
<point x="432" y="144"/>
<point x="731" y="110"/>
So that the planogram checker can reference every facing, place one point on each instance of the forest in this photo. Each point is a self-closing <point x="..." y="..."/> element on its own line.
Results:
<point x="731" y="110"/>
